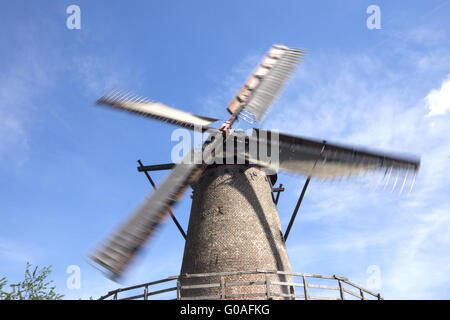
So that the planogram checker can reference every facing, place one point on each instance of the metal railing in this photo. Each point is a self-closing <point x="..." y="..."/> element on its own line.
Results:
<point x="334" y="288"/>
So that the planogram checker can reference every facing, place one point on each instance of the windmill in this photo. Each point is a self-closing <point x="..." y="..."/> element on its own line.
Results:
<point x="234" y="224"/>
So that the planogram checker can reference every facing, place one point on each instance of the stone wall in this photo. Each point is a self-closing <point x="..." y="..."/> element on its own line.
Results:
<point x="234" y="226"/>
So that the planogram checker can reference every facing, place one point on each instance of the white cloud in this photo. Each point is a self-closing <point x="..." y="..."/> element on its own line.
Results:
<point x="374" y="100"/>
<point x="346" y="223"/>
<point x="438" y="100"/>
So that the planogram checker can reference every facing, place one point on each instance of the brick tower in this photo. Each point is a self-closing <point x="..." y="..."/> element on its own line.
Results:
<point x="234" y="226"/>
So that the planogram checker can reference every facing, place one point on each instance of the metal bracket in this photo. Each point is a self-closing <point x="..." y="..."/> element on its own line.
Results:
<point x="278" y="191"/>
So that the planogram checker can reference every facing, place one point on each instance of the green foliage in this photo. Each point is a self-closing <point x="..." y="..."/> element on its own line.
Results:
<point x="34" y="287"/>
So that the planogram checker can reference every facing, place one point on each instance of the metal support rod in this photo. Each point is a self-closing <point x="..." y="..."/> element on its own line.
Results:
<point x="156" y="167"/>
<point x="271" y="188"/>
<point x="279" y="189"/>
<point x="296" y="209"/>
<point x="169" y="210"/>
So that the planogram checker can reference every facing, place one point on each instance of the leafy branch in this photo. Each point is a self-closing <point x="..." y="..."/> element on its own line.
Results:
<point x="35" y="286"/>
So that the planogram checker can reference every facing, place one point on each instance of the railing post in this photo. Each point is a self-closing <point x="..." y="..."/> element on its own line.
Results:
<point x="222" y="287"/>
<point x="115" y="296"/>
<point x="305" y="288"/>
<point x="267" y="286"/>
<point x="146" y="293"/>
<point x="178" y="289"/>
<point x="341" y="289"/>
<point x="362" y="294"/>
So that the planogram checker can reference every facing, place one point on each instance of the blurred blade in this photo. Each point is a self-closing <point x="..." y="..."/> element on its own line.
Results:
<point x="325" y="160"/>
<point x="117" y="252"/>
<point x="266" y="82"/>
<point x="132" y="103"/>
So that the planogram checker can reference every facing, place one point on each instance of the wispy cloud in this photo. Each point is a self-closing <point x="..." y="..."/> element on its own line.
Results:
<point x="98" y="74"/>
<point x="346" y="103"/>
<point x="15" y="254"/>
<point x="379" y="101"/>
<point x="229" y="86"/>
<point x="19" y="86"/>
<point x="34" y="73"/>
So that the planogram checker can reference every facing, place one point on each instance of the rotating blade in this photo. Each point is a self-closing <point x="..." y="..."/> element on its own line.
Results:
<point x="143" y="106"/>
<point x="265" y="83"/>
<point x="116" y="253"/>
<point x="325" y="160"/>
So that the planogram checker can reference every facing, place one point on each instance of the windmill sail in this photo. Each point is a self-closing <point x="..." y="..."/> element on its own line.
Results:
<point x="116" y="254"/>
<point x="118" y="251"/>
<point x="326" y="160"/>
<point x="265" y="83"/>
<point x="135" y="104"/>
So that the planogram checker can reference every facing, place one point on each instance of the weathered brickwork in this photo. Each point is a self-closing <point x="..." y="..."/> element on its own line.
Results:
<point x="234" y="226"/>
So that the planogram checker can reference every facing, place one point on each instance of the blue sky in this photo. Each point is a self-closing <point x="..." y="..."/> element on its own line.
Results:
<point x="68" y="169"/>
